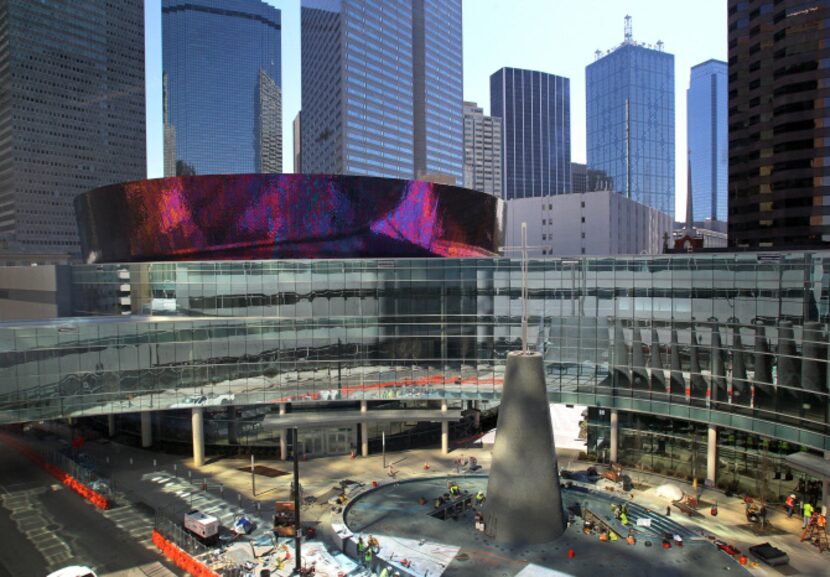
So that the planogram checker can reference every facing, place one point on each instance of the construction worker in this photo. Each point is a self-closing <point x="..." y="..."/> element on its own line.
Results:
<point x="789" y="504"/>
<point x="367" y="558"/>
<point x="480" y="498"/>
<point x="384" y="572"/>
<point x="623" y="518"/>
<point x="439" y="501"/>
<point x="455" y="490"/>
<point x="807" y="512"/>
<point x="361" y="546"/>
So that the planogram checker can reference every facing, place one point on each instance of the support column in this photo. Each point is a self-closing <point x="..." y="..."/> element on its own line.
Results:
<point x="825" y="490"/>
<point x="146" y="429"/>
<point x="198" y="427"/>
<point x="445" y="431"/>
<point x="233" y="426"/>
<point x="364" y="431"/>
<point x="111" y="425"/>
<point x="283" y="437"/>
<point x="615" y="429"/>
<point x="712" y="456"/>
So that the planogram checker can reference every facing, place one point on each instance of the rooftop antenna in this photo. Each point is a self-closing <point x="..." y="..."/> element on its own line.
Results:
<point x="628" y="33"/>
<point x="597" y="54"/>
<point x="660" y="45"/>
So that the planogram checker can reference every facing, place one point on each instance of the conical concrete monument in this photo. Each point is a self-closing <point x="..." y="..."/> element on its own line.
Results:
<point x="524" y="505"/>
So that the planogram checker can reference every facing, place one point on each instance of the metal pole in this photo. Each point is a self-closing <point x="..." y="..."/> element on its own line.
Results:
<point x="253" y="479"/>
<point x="383" y="446"/>
<point x="295" y="445"/>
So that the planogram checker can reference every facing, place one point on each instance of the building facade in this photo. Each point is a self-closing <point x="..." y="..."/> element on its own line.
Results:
<point x="535" y="108"/>
<point x="592" y="223"/>
<point x="584" y="179"/>
<point x="482" y="150"/>
<point x="381" y="88"/>
<point x="779" y="188"/>
<point x="72" y="113"/>
<point x="223" y="86"/>
<point x="630" y="122"/>
<point x="707" y="139"/>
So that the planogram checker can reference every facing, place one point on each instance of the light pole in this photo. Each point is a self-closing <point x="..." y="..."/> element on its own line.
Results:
<point x="295" y="445"/>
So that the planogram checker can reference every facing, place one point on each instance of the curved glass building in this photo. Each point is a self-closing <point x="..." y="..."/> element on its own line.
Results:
<point x="704" y="366"/>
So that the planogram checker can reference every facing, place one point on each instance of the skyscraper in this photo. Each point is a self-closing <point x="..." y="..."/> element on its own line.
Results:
<point x="706" y="110"/>
<point x="779" y="180"/>
<point x="482" y="150"/>
<point x="381" y="88"/>
<point x="71" y="113"/>
<point x="535" y="108"/>
<point x="630" y="120"/>
<point x="223" y="88"/>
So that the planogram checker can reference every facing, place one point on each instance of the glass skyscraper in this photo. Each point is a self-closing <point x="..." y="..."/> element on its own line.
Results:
<point x="72" y="113"/>
<point x="708" y="139"/>
<point x="630" y="122"/>
<point x="223" y="86"/>
<point x="382" y="88"/>
<point x="535" y="108"/>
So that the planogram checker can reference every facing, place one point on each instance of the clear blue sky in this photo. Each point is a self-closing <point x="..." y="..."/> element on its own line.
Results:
<point x="556" y="36"/>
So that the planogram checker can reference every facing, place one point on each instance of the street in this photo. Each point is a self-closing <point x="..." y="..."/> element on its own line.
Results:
<point x="45" y="526"/>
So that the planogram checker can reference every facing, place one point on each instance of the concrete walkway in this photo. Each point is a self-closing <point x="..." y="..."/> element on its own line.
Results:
<point x="229" y="479"/>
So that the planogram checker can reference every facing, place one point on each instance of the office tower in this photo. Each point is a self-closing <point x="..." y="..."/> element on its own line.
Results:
<point x="298" y="149"/>
<point x="707" y="140"/>
<point x="630" y="120"/>
<point x="71" y="113"/>
<point x="223" y="87"/>
<point x="585" y="180"/>
<point x="779" y="180"/>
<point x="381" y="88"/>
<point x="535" y="108"/>
<point x="482" y="150"/>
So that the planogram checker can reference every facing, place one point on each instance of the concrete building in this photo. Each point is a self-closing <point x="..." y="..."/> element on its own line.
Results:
<point x="706" y="123"/>
<point x="779" y="153"/>
<point x="223" y="86"/>
<point x="593" y="223"/>
<point x="630" y="120"/>
<point x="482" y="150"/>
<point x="72" y="113"/>
<point x="535" y="108"/>
<point x="382" y="88"/>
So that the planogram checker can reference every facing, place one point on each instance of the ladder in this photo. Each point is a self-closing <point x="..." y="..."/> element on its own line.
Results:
<point x="816" y="533"/>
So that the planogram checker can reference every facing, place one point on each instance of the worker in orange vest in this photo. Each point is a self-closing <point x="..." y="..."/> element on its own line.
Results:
<point x="789" y="504"/>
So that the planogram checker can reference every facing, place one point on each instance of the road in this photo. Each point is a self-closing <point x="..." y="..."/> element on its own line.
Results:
<point x="45" y="526"/>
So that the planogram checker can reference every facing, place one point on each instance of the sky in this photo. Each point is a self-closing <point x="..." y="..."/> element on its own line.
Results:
<point x="555" y="36"/>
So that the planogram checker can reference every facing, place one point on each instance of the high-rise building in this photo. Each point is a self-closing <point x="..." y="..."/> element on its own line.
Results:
<point x="707" y="140"/>
<point x="779" y="152"/>
<point x="584" y="179"/>
<point x="72" y="113"/>
<point x="223" y="88"/>
<point x="535" y="108"/>
<point x="298" y="149"/>
<point x="630" y="120"/>
<point x="382" y="88"/>
<point x="482" y="150"/>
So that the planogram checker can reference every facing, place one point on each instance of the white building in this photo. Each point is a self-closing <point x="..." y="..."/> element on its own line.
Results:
<point x="590" y="223"/>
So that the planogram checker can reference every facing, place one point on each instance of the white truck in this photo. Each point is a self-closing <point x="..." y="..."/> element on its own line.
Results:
<point x="204" y="527"/>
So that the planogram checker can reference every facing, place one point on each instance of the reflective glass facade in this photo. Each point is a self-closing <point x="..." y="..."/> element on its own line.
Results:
<point x="707" y="138"/>
<point x="736" y="340"/>
<point x="535" y="109"/>
<point x="72" y="113"/>
<point x="223" y="86"/>
<point x="381" y="87"/>
<point x="637" y="83"/>
<point x="438" y="82"/>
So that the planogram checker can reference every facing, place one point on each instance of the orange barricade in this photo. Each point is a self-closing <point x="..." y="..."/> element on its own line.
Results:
<point x="180" y="557"/>
<point x="65" y="478"/>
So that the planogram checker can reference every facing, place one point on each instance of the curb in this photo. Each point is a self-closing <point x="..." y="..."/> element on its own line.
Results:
<point x="180" y="557"/>
<point x="65" y="478"/>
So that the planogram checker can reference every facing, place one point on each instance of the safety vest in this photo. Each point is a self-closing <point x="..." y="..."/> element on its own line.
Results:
<point x="790" y="502"/>
<point x="808" y="510"/>
<point x="821" y="521"/>
<point x="368" y="555"/>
